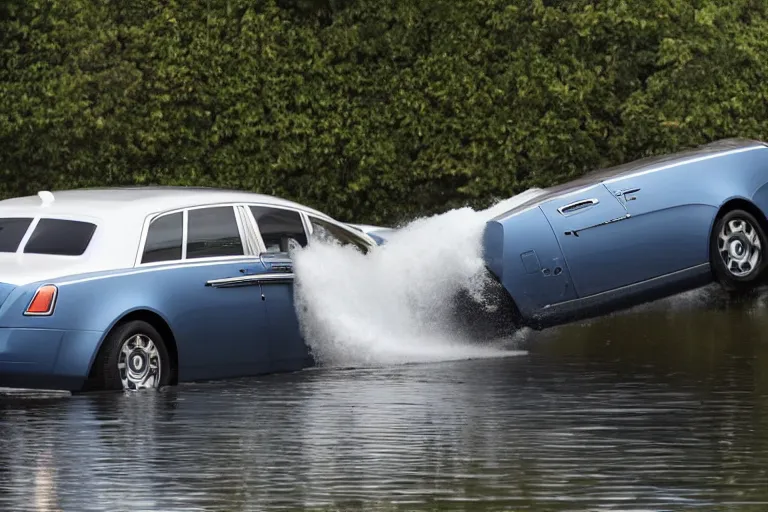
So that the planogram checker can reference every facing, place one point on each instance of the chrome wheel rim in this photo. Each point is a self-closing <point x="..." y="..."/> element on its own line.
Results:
<point x="139" y="363"/>
<point x="740" y="247"/>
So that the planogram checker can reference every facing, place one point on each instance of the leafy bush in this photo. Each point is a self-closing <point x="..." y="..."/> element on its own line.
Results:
<point x="372" y="111"/>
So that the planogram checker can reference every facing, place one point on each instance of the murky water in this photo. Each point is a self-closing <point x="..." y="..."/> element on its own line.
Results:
<point x="663" y="408"/>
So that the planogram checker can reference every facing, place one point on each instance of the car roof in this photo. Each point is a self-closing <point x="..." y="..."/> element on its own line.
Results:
<point x="643" y="164"/>
<point x="141" y="201"/>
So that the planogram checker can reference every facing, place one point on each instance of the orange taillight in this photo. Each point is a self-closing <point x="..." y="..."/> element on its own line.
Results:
<point x="43" y="301"/>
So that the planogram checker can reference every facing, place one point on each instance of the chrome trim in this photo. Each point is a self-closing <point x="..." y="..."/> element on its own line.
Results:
<point x="248" y="229"/>
<point x="622" y="194"/>
<point x="701" y="266"/>
<point x="184" y="236"/>
<point x="249" y="280"/>
<point x="164" y="265"/>
<point x="576" y="232"/>
<point x="586" y="202"/>
<point x="261" y="247"/>
<point x="626" y="191"/>
<point x="241" y="229"/>
<point x="308" y="228"/>
<point x="153" y="216"/>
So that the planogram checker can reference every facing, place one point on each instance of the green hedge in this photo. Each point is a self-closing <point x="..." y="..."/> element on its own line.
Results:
<point x="372" y="111"/>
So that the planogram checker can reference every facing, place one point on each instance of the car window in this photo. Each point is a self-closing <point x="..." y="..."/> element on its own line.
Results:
<point x="12" y="230"/>
<point x="281" y="230"/>
<point x="60" y="237"/>
<point x="164" y="238"/>
<point x="213" y="232"/>
<point x="322" y="230"/>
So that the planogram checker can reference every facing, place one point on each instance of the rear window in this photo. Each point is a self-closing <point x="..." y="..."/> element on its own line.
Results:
<point x="60" y="237"/>
<point x="12" y="230"/>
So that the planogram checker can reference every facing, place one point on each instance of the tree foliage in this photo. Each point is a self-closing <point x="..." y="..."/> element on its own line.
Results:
<point x="371" y="111"/>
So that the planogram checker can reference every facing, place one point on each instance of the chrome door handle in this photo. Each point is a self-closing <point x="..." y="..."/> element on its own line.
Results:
<point x="627" y="191"/>
<point x="252" y="279"/>
<point x="577" y="205"/>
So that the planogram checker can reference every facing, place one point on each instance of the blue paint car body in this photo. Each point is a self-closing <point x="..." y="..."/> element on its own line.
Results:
<point x="622" y="236"/>
<point x="220" y="317"/>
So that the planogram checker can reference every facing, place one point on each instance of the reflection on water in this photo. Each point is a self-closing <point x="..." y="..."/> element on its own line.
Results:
<point x="662" y="408"/>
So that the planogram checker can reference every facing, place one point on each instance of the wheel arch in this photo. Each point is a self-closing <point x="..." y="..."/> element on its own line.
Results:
<point x="735" y="203"/>
<point x="156" y="320"/>
<point x="742" y="203"/>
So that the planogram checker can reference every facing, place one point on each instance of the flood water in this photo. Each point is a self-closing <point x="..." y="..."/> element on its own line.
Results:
<point x="662" y="408"/>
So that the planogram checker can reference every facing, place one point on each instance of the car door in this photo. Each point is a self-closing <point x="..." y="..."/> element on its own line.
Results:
<point x="670" y="217"/>
<point x="212" y="292"/>
<point x="600" y="251"/>
<point x="280" y="231"/>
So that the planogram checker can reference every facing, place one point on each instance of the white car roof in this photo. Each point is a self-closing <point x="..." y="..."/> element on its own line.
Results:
<point x="135" y="201"/>
<point x="121" y="213"/>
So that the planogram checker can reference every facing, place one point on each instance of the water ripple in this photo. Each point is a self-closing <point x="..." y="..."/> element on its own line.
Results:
<point x="577" y="424"/>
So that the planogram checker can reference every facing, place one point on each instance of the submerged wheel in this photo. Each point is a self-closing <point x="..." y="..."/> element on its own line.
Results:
<point x="737" y="251"/>
<point x="133" y="357"/>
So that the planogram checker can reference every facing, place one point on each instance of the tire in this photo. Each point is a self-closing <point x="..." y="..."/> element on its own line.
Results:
<point x="737" y="251"/>
<point x="120" y="353"/>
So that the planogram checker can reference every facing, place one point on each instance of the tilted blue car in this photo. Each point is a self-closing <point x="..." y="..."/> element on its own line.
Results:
<point x="132" y="288"/>
<point x="634" y="233"/>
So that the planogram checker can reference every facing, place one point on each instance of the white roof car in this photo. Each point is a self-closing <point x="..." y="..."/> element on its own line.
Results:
<point x="141" y="287"/>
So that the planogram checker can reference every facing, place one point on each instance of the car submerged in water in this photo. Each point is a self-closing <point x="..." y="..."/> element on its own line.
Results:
<point x="132" y="288"/>
<point x="630" y="234"/>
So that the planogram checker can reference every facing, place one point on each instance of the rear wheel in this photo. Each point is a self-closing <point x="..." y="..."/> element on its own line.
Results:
<point x="133" y="357"/>
<point x="737" y="251"/>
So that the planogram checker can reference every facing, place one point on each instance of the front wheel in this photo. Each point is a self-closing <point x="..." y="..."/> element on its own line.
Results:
<point x="133" y="357"/>
<point x="737" y="251"/>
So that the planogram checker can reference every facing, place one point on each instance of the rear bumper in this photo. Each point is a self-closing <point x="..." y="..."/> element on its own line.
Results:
<point x="46" y="358"/>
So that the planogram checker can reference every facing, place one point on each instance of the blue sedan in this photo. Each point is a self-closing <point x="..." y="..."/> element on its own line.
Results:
<point x="133" y="288"/>
<point x="638" y="232"/>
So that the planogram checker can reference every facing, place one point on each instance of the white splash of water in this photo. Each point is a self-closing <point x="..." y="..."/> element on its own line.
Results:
<point x="393" y="305"/>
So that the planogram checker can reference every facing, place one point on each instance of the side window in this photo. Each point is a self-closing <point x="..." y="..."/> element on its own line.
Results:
<point x="164" y="239"/>
<point x="281" y="230"/>
<point x="322" y="230"/>
<point x="213" y="232"/>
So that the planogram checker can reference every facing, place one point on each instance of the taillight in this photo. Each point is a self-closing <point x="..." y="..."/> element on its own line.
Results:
<point x="43" y="302"/>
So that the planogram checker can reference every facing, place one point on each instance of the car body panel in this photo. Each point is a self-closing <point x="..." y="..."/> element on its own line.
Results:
<point x="228" y="316"/>
<point x="634" y="232"/>
<point x="587" y="226"/>
<point x="287" y="349"/>
<point x="525" y="256"/>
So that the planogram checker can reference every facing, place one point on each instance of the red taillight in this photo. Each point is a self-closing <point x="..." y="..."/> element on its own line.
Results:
<point x="43" y="302"/>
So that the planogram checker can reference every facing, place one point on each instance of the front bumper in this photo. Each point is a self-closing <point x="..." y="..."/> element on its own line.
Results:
<point x="46" y="358"/>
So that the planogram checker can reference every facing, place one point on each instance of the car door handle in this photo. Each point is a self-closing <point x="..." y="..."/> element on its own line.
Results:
<point x="610" y="221"/>
<point x="625" y="192"/>
<point x="577" y="205"/>
<point x="252" y="279"/>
